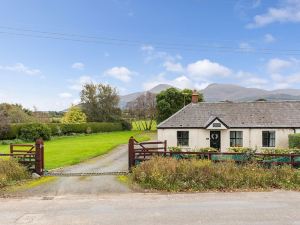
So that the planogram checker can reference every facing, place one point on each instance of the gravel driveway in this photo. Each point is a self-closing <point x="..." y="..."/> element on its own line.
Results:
<point x="114" y="161"/>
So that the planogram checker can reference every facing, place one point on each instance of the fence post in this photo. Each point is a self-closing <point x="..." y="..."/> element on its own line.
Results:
<point x="11" y="148"/>
<point x="131" y="153"/>
<point x="165" y="147"/>
<point x="39" y="156"/>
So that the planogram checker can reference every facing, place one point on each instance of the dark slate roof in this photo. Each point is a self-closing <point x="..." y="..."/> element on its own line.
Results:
<point x="237" y="114"/>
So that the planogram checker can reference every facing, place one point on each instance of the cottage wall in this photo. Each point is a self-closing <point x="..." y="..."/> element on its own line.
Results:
<point x="252" y="137"/>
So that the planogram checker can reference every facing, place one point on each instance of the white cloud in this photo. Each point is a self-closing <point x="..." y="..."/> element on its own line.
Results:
<point x="269" y="38"/>
<point x="65" y="95"/>
<point x="76" y="101"/>
<point x="78" y="66"/>
<point x="246" y="47"/>
<point x="252" y="80"/>
<point x="205" y="68"/>
<point x="289" y="11"/>
<point x="255" y="82"/>
<point x="147" y="48"/>
<point x="179" y="82"/>
<point x="20" y="68"/>
<point x="78" y="83"/>
<point x="275" y="65"/>
<point x="121" y="73"/>
<point x="173" y="67"/>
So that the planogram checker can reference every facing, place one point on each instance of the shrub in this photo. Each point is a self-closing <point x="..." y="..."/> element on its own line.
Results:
<point x="208" y="149"/>
<point x="175" y="149"/>
<point x="126" y="125"/>
<point x="279" y="151"/>
<point x="33" y="131"/>
<point x="74" y="115"/>
<point x="203" y="175"/>
<point x="241" y="150"/>
<point x="294" y="141"/>
<point x="11" y="171"/>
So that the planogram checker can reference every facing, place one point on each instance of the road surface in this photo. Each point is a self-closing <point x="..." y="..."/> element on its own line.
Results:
<point x="262" y="208"/>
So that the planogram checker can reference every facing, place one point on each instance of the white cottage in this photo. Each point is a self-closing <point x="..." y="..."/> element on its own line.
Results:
<point x="222" y="125"/>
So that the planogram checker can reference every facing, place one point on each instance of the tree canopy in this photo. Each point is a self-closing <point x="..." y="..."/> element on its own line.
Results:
<point x="100" y="103"/>
<point x="143" y="109"/>
<point x="74" y="115"/>
<point x="16" y="113"/>
<point x="171" y="100"/>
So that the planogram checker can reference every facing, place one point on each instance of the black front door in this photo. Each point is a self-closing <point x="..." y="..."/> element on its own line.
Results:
<point x="215" y="139"/>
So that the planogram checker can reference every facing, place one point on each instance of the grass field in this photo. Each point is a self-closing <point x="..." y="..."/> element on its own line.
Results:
<point x="63" y="151"/>
<point x="137" y="125"/>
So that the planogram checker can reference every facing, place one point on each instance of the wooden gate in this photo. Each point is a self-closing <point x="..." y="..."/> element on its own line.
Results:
<point x="29" y="155"/>
<point x="141" y="151"/>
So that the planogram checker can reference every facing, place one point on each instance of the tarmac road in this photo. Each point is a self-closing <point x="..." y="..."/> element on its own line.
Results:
<point x="261" y="208"/>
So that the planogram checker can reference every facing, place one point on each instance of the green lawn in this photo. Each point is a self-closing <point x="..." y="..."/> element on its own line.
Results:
<point x="63" y="151"/>
<point x="137" y="125"/>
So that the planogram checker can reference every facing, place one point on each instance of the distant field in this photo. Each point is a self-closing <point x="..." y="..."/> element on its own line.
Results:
<point x="137" y="125"/>
<point x="64" y="151"/>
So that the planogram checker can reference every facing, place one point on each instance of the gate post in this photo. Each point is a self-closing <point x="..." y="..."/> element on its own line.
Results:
<point x="39" y="156"/>
<point x="131" y="153"/>
<point x="165" y="147"/>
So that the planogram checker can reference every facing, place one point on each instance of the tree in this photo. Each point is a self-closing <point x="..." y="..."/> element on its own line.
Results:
<point x="16" y="113"/>
<point x="171" y="100"/>
<point x="100" y="103"/>
<point x="4" y="124"/>
<point x="74" y="115"/>
<point x="143" y="108"/>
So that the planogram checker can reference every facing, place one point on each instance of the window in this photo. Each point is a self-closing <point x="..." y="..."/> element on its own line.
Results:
<point x="268" y="138"/>
<point x="236" y="138"/>
<point x="182" y="138"/>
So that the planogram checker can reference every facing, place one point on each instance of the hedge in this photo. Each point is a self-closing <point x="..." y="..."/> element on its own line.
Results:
<point x="294" y="141"/>
<point x="92" y="127"/>
<point x="58" y="129"/>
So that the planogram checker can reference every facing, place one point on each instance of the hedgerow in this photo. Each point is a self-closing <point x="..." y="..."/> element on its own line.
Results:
<point x="58" y="129"/>
<point x="202" y="175"/>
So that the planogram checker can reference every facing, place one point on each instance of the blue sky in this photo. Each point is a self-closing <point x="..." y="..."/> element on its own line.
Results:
<point x="48" y="49"/>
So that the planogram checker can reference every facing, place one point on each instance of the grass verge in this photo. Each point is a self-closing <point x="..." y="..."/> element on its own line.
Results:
<point x="169" y="174"/>
<point x="11" y="172"/>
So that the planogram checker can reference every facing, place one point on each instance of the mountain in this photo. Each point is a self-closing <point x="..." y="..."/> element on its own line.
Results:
<point x="227" y="92"/>
<point x="223" y="92"/>
<point x="130" y="97"/>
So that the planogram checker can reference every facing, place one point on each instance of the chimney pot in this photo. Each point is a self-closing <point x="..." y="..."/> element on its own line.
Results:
<point x="195" y="97"/>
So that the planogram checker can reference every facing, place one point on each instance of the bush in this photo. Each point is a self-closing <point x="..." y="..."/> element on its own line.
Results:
<point x="33" y="131"/>
<point x="175" y="149"/>
<point x="241" y="150"/>
<point x="202" y="175"/>
<point x="11" y="171"/>
<point x="280" y="151"/>
<point x="126" y="125"/>
<point x="208" y="149"/>
<point x="74" y="115"/>
<point x="294" y="141"/>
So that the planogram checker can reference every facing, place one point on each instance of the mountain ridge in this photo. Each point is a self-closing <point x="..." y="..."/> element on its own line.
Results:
<point x="216" y="92"/>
